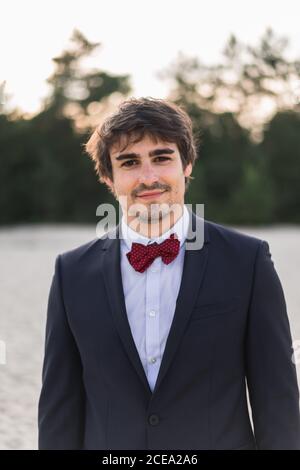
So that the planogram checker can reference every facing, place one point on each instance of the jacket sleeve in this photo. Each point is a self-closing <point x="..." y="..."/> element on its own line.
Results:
<point x="61" y="402"/>
<point x="270" y="369"/>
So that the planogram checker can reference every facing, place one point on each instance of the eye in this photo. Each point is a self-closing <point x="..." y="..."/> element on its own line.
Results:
<point x="128" y="163"/>
<point x="164" y="158"/>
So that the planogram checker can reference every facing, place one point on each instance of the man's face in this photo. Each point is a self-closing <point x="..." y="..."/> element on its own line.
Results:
<point x="144" y="167"/>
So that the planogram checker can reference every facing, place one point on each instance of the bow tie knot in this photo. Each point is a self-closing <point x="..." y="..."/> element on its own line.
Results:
<point x="142" y="256"/>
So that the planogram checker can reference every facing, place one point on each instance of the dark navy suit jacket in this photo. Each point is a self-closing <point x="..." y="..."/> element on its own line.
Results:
<point x="230" y="327"/>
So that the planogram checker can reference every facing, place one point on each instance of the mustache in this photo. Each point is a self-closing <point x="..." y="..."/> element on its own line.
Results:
<point x="152" y="188"/>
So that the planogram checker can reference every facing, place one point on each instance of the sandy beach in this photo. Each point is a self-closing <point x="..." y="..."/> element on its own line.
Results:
<point x="27" y="255"/>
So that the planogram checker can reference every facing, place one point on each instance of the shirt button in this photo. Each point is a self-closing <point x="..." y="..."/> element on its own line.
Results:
<point x="152" y="313"/>
<point x="152" y="360"/>
<point x="153" y="420"/>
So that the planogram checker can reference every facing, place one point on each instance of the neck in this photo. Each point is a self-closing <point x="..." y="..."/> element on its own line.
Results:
<point x="155" y="228"/>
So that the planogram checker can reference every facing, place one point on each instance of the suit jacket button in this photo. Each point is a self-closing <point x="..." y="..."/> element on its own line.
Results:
<point x="153" y="420"/>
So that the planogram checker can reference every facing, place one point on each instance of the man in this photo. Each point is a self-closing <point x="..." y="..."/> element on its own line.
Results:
<point x="150" y="345"/>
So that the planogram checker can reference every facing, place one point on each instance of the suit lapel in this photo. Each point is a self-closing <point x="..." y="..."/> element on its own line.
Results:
<point x="111" y="271"/>
<point x="195" y="261"/>
<point x="194" y="266"/>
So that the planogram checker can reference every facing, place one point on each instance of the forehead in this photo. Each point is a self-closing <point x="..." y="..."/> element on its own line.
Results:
<point x="144" y="145"/>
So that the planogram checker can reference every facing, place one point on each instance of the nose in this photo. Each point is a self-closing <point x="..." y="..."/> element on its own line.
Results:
<point x="148" y="174"/>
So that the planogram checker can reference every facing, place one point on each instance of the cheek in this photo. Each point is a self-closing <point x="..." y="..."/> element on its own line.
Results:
<point x="170" y="173"/>
<point x="173" y="176"/>
<point x="124" y="184"/>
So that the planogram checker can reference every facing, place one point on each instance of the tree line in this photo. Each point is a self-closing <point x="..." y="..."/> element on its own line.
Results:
<point x="245" y="112"/>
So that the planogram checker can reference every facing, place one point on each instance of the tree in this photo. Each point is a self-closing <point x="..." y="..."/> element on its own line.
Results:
<point x="281" y="146"/>
<point x="45" y="176"/>
<point x="253" y="82"/>
<point x="72" y="85"/>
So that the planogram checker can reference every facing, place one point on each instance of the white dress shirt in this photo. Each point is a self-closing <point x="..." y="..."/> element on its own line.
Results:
<point x="150" y="297"/>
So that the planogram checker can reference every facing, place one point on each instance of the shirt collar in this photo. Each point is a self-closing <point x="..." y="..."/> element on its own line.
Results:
<point x="180" y="228"/>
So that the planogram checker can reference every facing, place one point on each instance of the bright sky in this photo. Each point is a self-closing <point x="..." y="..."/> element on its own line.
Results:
<point x="138" y="37"/>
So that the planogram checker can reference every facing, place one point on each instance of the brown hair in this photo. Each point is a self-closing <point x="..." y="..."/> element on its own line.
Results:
<point x="135" y="118"/>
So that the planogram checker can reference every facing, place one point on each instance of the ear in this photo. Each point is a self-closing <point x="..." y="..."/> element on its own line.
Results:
<point x="188" y="170"/>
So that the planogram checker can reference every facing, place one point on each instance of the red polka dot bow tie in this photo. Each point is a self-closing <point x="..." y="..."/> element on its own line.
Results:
<point x="142" y="256"/>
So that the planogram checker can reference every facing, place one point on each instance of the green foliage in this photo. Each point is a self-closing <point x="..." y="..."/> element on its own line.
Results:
<point x="46" y="177"/>
<point x="281" y="146"/>
<point x="70" y="84"/>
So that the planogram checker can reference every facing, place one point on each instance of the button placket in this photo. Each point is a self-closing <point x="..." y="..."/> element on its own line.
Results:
<point x="152" y="342"/>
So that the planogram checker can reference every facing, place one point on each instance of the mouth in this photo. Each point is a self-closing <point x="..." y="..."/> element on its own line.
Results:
<point x="151" y="194"/>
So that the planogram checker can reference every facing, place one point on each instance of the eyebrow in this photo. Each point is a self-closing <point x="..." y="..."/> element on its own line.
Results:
<point x="153" y="153"/>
